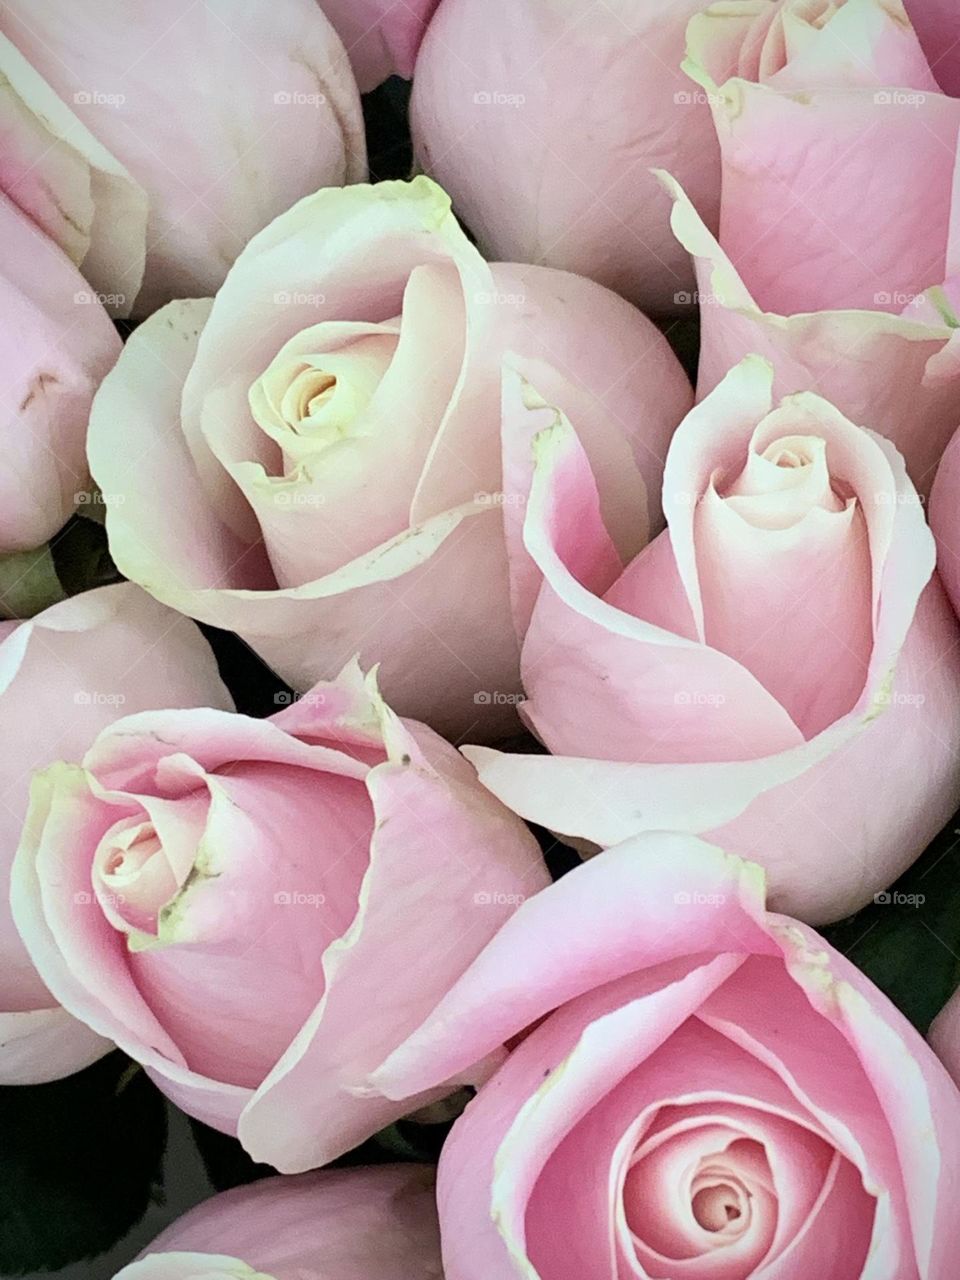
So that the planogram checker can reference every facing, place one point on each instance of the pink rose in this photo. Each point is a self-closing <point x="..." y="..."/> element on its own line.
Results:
<point x="56" y="344"/>
<point x="345" y="1224"/>
<point x="713" y="1092"/>
<point x="381" y="36"/>
<point x="543" y="118"/>
<point x="342" y="435"/>
<point x="152" y="141"/>
<point x="830" y="123"/>
<point x="899" y="373"/>
<point x="65" y="676"/>
<point x="270" y="906"/>
<point x="751" y="674"/>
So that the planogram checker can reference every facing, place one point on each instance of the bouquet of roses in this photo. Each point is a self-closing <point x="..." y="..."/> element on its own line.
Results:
<point x="479" y="581"/>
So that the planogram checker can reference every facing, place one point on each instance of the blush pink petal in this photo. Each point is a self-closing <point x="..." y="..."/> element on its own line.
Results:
<point x="656" y="916"/>
<point x="56" y="346"/>
<point x="788" y="220"/>
<point x="543" y="121"/>
<point x="69" y="185"/>
<point x="877" y="369"/>
<point x="578" y="641"/>
<point x="426" y="811"/>
<point x="761" y="1040"/>
<point x="346" y="1224"/>
<point x="381" y="37"/>
<point x="76" y="666"/>
<point x="215" y="169"/>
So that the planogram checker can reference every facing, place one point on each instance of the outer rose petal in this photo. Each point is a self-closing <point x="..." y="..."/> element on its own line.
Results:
<point x="609" y="953"/>
<point x="350" y="1224"/>
<point x="69" y="184"/>
<point x="56" y="346"/>
<point x="877" y="369"/>
<point x="527" y="92"/>
<point x="77" y="666"/>
<point x="381" y="36"/>
<point x="309" y="1111"/>
<point x="215" y="170"/>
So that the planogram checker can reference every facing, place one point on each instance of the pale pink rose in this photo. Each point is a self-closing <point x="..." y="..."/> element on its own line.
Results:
<point x="331" y="456"/>
<point x="752" y="673"/>
<point x="275" y="904"/>
<point x="839" y="152"/>
<point x="152" y="141"/>
<point x="713" y="1092"/>
<point x="381" y="36"/>
<point x="65" y="676"/>
<point x="543" y="118"/>
<point x="898" y="373"/>
<point x="348" y="1224"/>
<point x="945" y="1035"/>
<point x="56" y="344"/>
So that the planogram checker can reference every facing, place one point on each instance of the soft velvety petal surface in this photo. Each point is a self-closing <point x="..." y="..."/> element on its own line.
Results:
<point x="879" y="370"/>
<point x="381" y="37"/>
<point x="349" y="1224"/>
<point x="216" y="167"/>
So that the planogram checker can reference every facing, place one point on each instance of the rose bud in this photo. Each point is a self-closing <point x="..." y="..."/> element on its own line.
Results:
<point x="276" y="904"/>
<point x="342" y="436"/>
<point x="56" y="345"/>
<point x="152" y="141"/>
<point x="543" y="123"/>
<point x="816" y="104"/>
<point x="344" y="1224"/>
<point x="381" y="37"/>
<point x="67" y="674"/>
<point x="752" y="673"/>
<point x="709" y="1091"/>
<point x="899" y="373"/>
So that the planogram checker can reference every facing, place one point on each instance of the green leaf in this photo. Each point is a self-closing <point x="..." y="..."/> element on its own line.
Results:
<point x="908" y="940"/>
<point x="28" y="583"/>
